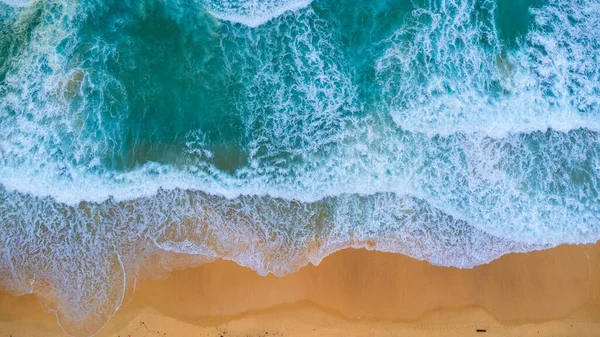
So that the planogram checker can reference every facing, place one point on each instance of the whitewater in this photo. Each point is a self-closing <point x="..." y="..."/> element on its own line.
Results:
<point x="139" y="137"/>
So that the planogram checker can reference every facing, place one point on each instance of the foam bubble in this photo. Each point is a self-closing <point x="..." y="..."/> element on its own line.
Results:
<point x="253" y="13"/>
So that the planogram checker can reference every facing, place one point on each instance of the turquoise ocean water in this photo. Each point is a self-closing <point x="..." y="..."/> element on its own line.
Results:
<point x="138" y="136"/>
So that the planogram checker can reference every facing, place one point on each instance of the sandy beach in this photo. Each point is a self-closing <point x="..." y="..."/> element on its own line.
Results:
<point x="356" y="293"/>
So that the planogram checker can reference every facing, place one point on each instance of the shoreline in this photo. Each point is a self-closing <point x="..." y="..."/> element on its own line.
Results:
<point x="359" y="292"/>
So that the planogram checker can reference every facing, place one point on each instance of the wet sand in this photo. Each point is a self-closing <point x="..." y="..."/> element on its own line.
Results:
<point x="356" y="293"/>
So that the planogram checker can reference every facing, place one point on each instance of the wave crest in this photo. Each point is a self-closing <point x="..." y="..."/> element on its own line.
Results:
<point x="253" y="13"/>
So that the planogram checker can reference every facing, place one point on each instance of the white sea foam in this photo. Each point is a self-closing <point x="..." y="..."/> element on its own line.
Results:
<point x="253" y="13"/>
<point x="45" y="154"/>
<point x="103" y="248"/>
<point x="439" y="78"/>
<point x="314" y="146"/>
<point x="17" y="3"/>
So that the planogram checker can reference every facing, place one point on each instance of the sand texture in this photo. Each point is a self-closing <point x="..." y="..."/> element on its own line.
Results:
<point x="356" y="293"/>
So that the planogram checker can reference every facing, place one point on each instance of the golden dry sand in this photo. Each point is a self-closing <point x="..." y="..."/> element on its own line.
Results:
<point x="356" y="293"/>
